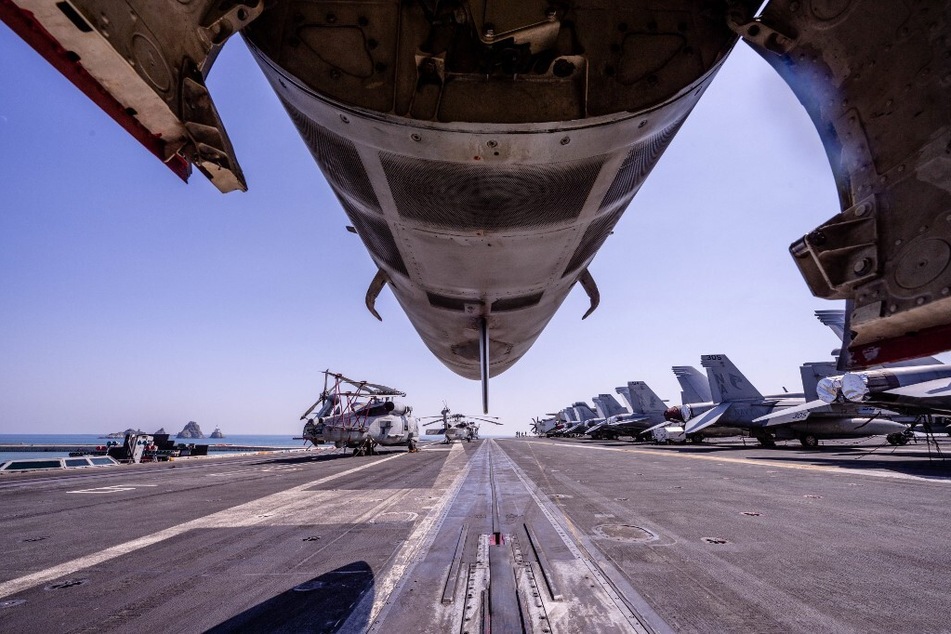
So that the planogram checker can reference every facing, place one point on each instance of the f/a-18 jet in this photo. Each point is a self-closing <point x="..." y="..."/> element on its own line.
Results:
<point x="818" y="419"/>
<point x="732" y="404"/>
<point x="738" y="405"/>
<point x="915" y="391"/>
<point x="861" y="404"/>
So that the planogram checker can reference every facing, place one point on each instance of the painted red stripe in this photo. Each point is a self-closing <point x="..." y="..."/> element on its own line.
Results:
<point x="24" y="24"/>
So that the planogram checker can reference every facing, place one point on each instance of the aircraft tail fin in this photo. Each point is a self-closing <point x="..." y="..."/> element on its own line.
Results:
<point x="608" y="406"/>
<point x="645" y="402"/>
<point x="694" y="386"/>
<point x="727" y="383"/>
<point x="812" y="373"/>
<point x="834" y="319"/>
<point x="578" y="412"/>
<point x="625" y="392"/>
<point x="584" y="412"/>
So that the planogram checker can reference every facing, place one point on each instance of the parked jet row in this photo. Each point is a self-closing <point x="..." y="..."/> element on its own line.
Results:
<point x="885" y="401"/>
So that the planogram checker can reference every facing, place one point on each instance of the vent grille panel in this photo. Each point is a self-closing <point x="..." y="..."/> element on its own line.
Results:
<point x="473" y="197"/>
<point x="338" y="159"/>
<point x="516" y="303"/>
<point x="377" y="237"/>
<point x="637" y="165"/>
<point x="449" y="303"/>
<point x="597" y="232"/>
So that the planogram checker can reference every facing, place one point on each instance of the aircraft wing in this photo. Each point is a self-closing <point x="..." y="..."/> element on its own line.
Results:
<point x="936" y="388"/>
<point x="657" y="426"/>
<point x="709" y="417"/>
<point x="630" y="422"/>
<point x="794" y="414"/>
<point x="145" y="63"/>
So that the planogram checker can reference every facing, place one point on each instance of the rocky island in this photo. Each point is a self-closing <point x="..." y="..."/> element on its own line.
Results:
<point x="122" y="434"/>
<point x="191" y="430"/>
<point x="217" y="433"/>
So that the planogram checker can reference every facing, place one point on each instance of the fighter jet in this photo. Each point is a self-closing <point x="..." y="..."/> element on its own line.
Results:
<point x="921" y="390"/>
<point x="484" y="152"/>
<point x="611" y="416"/>
<point x="841" y="406"/>
<point x="578" y="417"/>
<point x="733" y="404"/>
<point x="359" y="415"/>
<point x="694" y="385"/>
<point x="607" y="406"/>
<point x="648" y="411"/>
<point x="817" y="419"/>
<point x="457" y="426"/>
<point x="740" y="406"/>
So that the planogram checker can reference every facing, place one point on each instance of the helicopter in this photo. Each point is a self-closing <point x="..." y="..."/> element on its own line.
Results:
<point x="360" y="415"/>
<point x="457" y="426"/>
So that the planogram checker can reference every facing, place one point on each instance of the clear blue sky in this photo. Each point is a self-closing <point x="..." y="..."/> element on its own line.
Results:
<point x="128" y="298"/>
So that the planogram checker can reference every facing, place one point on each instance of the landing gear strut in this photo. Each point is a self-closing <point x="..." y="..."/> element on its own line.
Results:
<point x="365" y="449"/>
<point x="897" y="438"/>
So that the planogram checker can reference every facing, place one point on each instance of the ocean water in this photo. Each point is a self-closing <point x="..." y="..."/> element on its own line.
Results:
<point x="94" y="439"/>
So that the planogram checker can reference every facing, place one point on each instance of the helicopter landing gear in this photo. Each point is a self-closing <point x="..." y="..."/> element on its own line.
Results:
<point x="365" y="449"/>
<point x="897" y="439"/>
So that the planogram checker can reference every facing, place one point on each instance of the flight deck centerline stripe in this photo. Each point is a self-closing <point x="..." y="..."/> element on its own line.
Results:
<point x="760" y="463"/>
<point x="416" y="547"/>
<point x="629" y="601"/>
<point x="215" y="520"/>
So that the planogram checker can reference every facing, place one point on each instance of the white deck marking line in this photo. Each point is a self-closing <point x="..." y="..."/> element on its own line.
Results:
<point x="638" y="614"/>
<point x="245" y="514"/>
<point x="763" y="463"/>
<point x="414" y="550"/>
<point x="113" y="488"/>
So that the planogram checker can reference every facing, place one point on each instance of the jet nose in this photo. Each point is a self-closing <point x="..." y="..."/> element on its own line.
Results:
<point x="673" y="414"/>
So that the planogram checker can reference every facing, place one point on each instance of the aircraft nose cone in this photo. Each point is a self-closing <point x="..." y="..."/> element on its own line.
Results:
<point x="855" y="387"/>
<point x="828" y="389"/>
<point x="673" y="414"/>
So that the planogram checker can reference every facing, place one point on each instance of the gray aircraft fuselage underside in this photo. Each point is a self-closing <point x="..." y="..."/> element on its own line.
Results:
<point x="483" y="152"/>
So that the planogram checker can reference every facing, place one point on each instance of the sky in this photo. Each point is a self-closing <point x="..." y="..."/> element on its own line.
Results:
<point x="131" y="299"/>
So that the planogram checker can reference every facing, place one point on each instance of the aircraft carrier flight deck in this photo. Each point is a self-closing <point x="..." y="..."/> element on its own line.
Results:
<point x="501" y="535"/>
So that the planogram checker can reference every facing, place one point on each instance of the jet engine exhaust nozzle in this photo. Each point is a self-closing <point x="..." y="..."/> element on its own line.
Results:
<point x="855" y="387"/>
<point x="827" y="389"/>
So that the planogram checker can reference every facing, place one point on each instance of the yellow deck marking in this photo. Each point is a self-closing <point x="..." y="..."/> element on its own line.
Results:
<point x="759" y="463"/>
